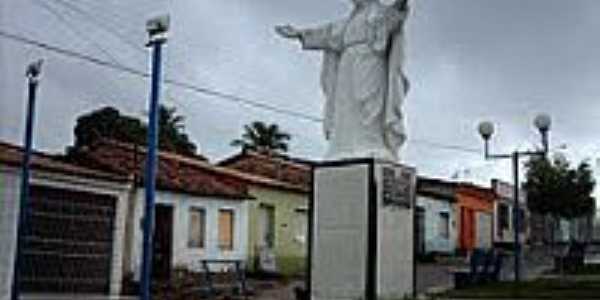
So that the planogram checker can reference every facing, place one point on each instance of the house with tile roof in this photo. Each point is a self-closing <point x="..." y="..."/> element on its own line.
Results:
<point x="76" y="220"/>
<point x="278" y="229"/>
<point x="201" y="212"/>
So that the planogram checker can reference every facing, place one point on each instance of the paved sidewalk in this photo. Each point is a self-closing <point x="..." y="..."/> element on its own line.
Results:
<point x="535" y="262"/>
<point x="275" y="290"/>
<point x="434" y="278"/>
<point x="430" y="278"/>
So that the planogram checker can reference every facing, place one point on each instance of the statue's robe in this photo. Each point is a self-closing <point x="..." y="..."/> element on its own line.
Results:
<point x="363" y="82"/>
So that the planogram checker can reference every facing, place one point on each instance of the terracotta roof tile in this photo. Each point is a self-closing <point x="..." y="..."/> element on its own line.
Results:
<point x="175" y="172"/>
<point x="12" y="155"/>
<point x="476" y="191"/>
<point x="293" y="173"/>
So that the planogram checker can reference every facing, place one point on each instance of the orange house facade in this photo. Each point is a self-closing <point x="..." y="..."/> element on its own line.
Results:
<point x="474" y="211"/>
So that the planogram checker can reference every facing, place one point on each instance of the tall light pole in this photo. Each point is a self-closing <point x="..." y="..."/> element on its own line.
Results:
<point x="157" y="31"/>
<point x="542" y="122"/>
<point x="33" y="74"/>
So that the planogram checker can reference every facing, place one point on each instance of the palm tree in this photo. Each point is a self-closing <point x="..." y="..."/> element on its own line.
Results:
<point x="261" y="137"/>
<point x="168" y="118"/>
<point x="171" y="135"/>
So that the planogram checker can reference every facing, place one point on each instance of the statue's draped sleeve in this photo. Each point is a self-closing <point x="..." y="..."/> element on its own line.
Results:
<point x="387" y="27"/>
<point x="328" y="38"/>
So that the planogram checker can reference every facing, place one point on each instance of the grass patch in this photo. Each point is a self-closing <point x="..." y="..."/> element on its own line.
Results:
<point x="538" y="289"/>
<point x="586" y="270"/>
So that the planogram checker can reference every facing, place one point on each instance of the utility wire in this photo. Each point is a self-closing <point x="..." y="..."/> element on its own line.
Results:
<point x="74" y="29"/>
<point x="94" y="19"/>
<point x="103" y="23"/>
<point x="198" y="89"/>
<point x="188" y="86"/>
<point x="447" y="147"/>
<point x="132" y="71"/>
<point x="71" y="53"/>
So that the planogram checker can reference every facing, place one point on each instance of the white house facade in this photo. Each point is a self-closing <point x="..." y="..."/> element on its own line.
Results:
<point x="197" y="225"/>
<point x="201" y="210"/>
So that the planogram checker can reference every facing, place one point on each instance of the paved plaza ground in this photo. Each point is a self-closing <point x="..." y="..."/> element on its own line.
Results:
<point x="437" y="277"/>
<point x="429" y="277"/>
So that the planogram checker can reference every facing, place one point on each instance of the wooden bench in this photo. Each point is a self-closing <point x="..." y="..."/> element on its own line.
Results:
<point x="483" y="267"/>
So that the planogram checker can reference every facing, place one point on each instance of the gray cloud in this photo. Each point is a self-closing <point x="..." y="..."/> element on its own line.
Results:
<point x="467" y="59"/>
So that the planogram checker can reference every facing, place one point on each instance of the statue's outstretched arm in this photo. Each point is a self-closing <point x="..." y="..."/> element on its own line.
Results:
<point x="288" y="31"/>
<point x="319" y="38"/>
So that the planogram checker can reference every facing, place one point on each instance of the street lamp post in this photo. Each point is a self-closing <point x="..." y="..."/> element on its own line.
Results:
<point x="542" y="122"/>
<point x="157" y="30"/>
<point x="33" y="76"/>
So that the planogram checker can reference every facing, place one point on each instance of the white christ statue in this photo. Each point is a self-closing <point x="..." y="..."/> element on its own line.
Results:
<point x="362" y="79"/>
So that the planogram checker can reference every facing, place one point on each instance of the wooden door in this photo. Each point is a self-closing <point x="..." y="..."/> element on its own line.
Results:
<point x="467" y="228"/>
<point x="163" y="242"/>
<point x="463" y="229"/>
<point x="471" y="229"/>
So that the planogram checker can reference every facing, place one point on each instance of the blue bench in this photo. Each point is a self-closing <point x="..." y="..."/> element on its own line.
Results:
<point x="483" y="267"/>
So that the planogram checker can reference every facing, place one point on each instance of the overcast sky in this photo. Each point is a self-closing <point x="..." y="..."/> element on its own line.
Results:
<point x="467" y="60"/>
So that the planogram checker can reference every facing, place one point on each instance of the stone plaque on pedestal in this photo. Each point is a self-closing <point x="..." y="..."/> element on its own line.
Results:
<point x="362" y="230"/>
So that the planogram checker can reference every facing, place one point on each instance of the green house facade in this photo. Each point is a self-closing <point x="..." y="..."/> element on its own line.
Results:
<point x="278" y="234"/>
<point x="278" y="216"/>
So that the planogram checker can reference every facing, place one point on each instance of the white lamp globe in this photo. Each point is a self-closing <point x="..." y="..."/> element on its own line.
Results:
<point x="486" y="130"/>
<point x="543" y="122"/>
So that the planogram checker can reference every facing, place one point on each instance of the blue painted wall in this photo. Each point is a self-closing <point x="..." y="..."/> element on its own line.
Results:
<point x="434" y="240"/>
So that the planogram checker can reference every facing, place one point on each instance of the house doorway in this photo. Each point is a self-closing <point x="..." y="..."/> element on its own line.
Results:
<point x="420" y="234"/>
<point x="266" y="246"/>
<point x="163" y="242"/>
<point x="467" y="229"/>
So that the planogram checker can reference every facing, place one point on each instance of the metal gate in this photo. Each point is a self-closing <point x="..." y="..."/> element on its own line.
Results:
<point x="68" y="242"/>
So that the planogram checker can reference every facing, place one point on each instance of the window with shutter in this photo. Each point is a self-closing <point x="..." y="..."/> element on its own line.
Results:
<point x="301" y="225"/>
<point x="197" y="231"/>
<point x="226" y="219"/>
<point x="444" y="225"/>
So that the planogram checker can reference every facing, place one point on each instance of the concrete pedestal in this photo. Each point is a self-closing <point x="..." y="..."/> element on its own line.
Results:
<point x="362" y="230"/>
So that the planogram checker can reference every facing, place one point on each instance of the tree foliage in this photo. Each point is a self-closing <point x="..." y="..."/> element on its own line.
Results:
<point x="556" y="188"/>
<point x="172" y="136"/>
<point x="261" y="137"/>
<point x="109" y="123"/>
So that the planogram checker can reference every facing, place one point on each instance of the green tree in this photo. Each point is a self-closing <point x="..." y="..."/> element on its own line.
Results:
<point x="109" y="123"/>
<point x="261" y="137"/>
<point x="557" y="190"/>
<point x="172" y="136"/>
